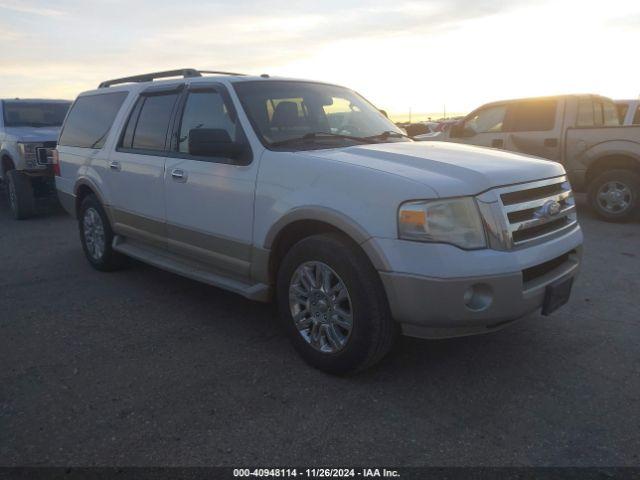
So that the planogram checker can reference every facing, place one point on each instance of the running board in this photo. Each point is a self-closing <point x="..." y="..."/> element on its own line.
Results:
<point x="172" y="263"/>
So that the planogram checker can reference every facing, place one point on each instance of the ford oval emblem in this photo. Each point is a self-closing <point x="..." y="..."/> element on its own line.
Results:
<point x="549" y="209"/>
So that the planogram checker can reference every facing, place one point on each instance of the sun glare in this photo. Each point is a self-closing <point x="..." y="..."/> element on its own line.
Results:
<point x="565" y="48"/>
<point x="440" y="64"/>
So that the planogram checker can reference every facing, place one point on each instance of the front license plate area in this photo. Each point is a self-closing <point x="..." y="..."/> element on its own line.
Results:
<point x="556" y="295"/>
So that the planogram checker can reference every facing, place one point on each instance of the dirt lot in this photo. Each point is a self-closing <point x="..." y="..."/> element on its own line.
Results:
<point x="141" y="367"/>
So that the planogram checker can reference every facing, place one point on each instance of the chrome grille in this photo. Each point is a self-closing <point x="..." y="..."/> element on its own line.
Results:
<point x="522" y="215"/>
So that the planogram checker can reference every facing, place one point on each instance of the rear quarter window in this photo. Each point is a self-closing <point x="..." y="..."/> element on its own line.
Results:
<point x="610" y="114"/>
<point x="623" y="108"/>
<point x="585" y="112"/>
<point x="90" y="120"/>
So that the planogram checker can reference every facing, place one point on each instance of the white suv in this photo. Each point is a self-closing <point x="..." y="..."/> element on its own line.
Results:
<point x="303" y="191"/>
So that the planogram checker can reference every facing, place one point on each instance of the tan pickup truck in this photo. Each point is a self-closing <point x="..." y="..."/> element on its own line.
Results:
<point x="582" y="132"/>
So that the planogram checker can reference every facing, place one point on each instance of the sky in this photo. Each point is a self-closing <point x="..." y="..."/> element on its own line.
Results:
<point x="419" y="56"/>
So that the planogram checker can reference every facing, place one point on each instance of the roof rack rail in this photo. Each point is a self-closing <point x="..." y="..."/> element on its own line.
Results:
<point x="149" y="77"/>
<point x="216" y="72"/>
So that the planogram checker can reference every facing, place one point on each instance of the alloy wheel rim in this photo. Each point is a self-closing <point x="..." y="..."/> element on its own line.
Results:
<point x="93" y="230"/>
<point x="321" y="307"/>
<point x="614" y="196"/>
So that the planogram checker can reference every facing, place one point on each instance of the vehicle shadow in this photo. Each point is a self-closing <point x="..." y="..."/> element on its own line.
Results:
<point x="49" y="207"/>
<point x="243" y="322"/>
<point x="256" y="326"/>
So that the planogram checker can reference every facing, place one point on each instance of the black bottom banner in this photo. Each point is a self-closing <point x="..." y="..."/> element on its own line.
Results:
<point x="421" y="473"/>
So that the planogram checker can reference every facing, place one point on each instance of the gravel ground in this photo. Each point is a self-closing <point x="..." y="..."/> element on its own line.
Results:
<point x="142" y="367"/>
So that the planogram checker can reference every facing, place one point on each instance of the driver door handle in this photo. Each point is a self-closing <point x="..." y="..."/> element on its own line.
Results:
<point x="113" y="165"/>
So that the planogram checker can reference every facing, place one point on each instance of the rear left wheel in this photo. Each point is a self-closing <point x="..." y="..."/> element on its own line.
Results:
<point x="96" y="236"/>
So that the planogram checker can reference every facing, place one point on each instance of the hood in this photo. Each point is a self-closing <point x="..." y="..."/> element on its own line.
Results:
<point x="33" y="134"/>
<point x="451" y="169"/>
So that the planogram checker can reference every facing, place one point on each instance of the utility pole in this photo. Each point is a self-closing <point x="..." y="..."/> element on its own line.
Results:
<point x="409" y="114"/>
<point x="444" y="111"/>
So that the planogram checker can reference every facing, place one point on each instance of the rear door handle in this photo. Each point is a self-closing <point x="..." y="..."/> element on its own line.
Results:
<point x="550" y="142"/>
<point x="115" y="166"/>
<point x="179" y="175"/>
<point x="497" y="143"/>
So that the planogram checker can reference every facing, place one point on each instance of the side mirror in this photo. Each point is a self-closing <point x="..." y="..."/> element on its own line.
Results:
<point x="455" y="130"/>
<point x="212" y="142"/>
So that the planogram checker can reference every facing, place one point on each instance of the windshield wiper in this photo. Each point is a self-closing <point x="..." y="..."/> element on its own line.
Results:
<point x="39" y="124"/>
<point x="318" y="135"/>
<point x="387" y="134"/>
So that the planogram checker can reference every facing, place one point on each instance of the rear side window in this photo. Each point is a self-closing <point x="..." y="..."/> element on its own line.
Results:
<point x="585" y="112"/>
<point x="90" y="120"/>
<point x="532" y="116"/>
<point x="148" y="123"/>
<point x="597" y="112"/>
<point x="610" y="114"/>
<point x="623" y="108"/>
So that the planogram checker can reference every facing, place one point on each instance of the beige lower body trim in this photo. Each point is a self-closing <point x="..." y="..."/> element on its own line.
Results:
<point x="138" y="227"/>
<point x="180" y="265"/>
<point x="221" y="253"/>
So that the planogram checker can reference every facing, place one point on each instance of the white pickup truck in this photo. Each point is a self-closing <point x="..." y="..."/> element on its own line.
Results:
<point x="29" y="130"/>
<point x="304" y="192"/>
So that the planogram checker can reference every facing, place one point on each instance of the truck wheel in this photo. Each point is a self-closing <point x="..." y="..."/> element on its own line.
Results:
<point x="333" y="305"/>
<point x="96" y="236"/>
<point x="20" y="195"/>
<point x="615" y="195"/>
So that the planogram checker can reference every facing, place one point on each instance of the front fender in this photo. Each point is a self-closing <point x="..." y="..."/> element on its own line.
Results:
<point x="321" y="214"/>
<point x="86" y="181"/>
<point x="337" y="220"/>
<point x="360" y="201"/>
<point x="11" y="151"/>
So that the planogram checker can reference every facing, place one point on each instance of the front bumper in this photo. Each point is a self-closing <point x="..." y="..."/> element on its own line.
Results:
<point x="438" y="307"/>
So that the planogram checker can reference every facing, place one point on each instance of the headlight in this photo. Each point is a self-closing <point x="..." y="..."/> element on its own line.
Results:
<point x="29" y="153"/>
<point x="456" y="221"/>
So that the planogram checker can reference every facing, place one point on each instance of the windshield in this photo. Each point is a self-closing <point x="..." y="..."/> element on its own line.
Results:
<point x="34" y="114"/>
<point x="320" y="116"/>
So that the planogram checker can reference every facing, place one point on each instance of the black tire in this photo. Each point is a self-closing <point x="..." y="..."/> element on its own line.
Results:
<point x="627" y="179"/>
<point x="20" y="195"/>
<point x="373" y="331"/>
<point x="109" y="260"/>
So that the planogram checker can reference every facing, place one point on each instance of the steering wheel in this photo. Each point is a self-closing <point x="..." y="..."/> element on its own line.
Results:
<point x="350" y="129"/>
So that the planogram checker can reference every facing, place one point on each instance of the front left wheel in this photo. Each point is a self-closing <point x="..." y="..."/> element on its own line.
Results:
<point x="333" y="305"/>
<point x="20" y="195"/>
<point x="96" y="236"/>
